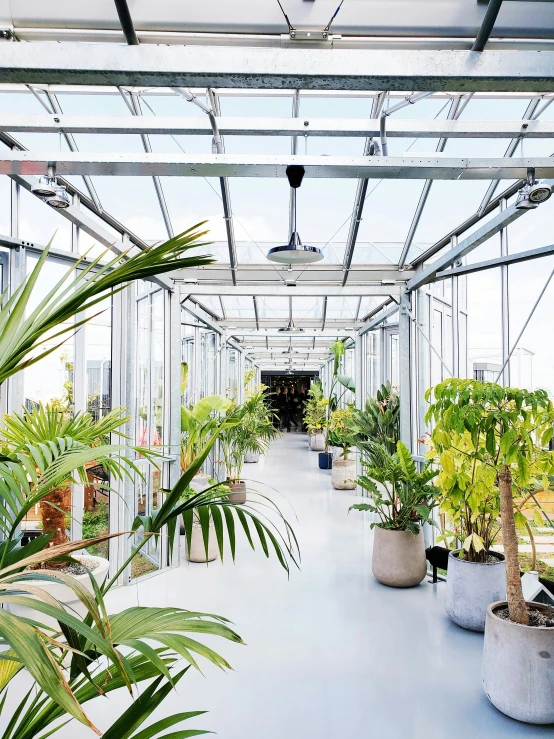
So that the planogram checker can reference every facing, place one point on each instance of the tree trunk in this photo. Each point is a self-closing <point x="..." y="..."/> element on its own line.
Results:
<point x="516" y="604"/>
<point x="53" y="509"/>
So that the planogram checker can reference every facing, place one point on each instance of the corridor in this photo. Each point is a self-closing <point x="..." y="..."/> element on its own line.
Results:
<point x="331" y="653"/>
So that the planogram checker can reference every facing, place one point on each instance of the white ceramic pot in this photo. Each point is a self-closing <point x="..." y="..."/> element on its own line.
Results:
<point x="200" y="482"/>
<point x="238" y="493"/>
<point x="398" y="557"/>
<point x="343" y="474"/>
<point x="317" y="442"/>
<point x="471" y="587"/>
<point x="518" y="668"/>
<point x="251" y="457"/>
<point x="197" y="552"/>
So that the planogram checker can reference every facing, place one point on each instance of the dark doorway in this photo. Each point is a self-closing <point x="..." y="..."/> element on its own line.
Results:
<point x="288" y="393"/>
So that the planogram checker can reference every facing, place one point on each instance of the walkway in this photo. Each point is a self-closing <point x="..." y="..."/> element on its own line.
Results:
<point x="331" y="653"/>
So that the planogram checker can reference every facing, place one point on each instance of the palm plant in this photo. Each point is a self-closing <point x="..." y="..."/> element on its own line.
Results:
<point x="81" y="659"/>
<point x="23" y="332"/>
<point x="38" y="433"/>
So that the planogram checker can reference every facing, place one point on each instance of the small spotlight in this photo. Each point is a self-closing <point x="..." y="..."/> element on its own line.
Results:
<point x="45" y="188"/>
<point x="539" y="192"/>
<point x="60" y="199"/>
<point x="533" y="193"/>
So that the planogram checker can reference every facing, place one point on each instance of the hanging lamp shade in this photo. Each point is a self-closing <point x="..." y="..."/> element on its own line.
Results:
<point x="295" y="252"/>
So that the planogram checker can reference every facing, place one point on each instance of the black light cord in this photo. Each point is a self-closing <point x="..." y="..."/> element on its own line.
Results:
<point x="328" y="26"/>
<point x="291" y="27"/>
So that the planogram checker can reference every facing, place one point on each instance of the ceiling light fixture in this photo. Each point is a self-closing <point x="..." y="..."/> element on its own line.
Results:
<point x="50" y="191"/>
<point x="295" y="252"/>
<point x="60" y="199"/>
<point x="533" y="193"/>
<point x="290" y="328"/>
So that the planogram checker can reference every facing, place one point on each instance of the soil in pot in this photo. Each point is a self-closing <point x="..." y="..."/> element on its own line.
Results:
<point x="238" y="492"/>
<point x="343" y="475"/>
<point x="325" y="461"/>
<point x="518" y="664"/>
<point x="398" y="557"/>
<point x="472" y="586"/>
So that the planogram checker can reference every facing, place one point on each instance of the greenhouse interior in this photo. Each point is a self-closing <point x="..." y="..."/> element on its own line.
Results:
<point x="277" y="392"/>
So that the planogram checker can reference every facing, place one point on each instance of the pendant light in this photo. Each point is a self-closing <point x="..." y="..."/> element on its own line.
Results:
<point x="295" y="252"/>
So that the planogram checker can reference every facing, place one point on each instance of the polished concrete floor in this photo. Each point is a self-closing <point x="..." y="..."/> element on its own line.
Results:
<point x="331" y="653"/>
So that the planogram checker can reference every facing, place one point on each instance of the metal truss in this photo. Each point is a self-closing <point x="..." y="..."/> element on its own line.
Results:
<point x="182" y="66"/>
<point x="268" y="165"/>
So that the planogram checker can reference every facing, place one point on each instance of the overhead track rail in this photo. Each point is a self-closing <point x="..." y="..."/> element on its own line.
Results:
<point x="255" y="165"/>
<point x="182" y="66"/>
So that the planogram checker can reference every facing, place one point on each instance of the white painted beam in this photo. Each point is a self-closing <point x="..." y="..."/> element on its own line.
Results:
<point x="294" y="291"/>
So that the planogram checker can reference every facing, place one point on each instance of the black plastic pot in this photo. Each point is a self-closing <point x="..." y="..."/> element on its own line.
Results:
<point x="325" y="460"/>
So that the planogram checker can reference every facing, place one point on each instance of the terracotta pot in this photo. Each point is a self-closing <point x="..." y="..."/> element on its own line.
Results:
<point x="196" y="552"/>
<point x="238" y="492"/>
<point x="343" y="475"/>
<point x="471" y="587"/>
<point x="398" y="557"/>
<point x="518" y="671"/>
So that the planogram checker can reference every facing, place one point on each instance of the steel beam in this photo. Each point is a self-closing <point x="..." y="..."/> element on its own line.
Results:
<point x="254" y="165"/>
<point x="507" y="259"/>
<point x="252" y="126"/>
<point x="184" y="66"/>
<point x="377" y="319"/>
<point x="488" y="229"/>
<point x="290" y="291"/>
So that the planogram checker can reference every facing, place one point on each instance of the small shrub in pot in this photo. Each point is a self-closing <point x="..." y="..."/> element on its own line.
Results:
<point x="402" y="499"/>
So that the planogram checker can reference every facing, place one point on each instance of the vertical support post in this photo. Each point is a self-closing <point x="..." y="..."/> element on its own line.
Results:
<point x="172" y="395"/>
<point x="12" y="392"/>
<point x="505" y="295"/>
<point x="359" y="370"/>
<point x="196" y="379"/>
<point x="455" y="310"/>
<point x="405" y="385"/>
<point x="75" y="230"/>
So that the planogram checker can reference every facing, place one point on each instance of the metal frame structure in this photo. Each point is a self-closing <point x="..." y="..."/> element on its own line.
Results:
<point x="405" y="320"/>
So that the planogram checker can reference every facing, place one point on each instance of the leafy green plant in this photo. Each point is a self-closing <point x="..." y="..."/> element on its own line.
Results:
<point x="378" y="422"/>
<point x="339" y="434"/>
<point x="315" y="410"/>
<point x="504" y="432"/>
<point x="401" y="496"/>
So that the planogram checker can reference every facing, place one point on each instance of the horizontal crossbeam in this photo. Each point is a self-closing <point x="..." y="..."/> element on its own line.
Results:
<point x="256" y="165"/>
<point x="356" y="69"/>
<point x="251" y="126"/>
<point x="290" y="291"/>
<point x="506" y="259"/>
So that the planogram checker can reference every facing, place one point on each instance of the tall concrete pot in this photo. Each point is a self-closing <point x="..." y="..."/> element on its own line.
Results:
<point x="343" y="474"/>
<point x="471" y="587"/>
<point x="238" y="492"/>
<point x="518" y="668"/>
<point x="398" y="557"/>
<point x="196" y="552"/>
<point x="199" y="483"/>
<point x="317" y="442"/>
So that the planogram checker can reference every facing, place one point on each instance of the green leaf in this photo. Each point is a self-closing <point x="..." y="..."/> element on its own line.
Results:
<point x="519" y="520"/>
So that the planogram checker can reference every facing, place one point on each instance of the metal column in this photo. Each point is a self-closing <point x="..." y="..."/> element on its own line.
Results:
<point x="505" y="304"/>
<point x="405" y="379"/>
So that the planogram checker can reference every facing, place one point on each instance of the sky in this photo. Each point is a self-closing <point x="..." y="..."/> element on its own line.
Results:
<point x="260" y="206"/>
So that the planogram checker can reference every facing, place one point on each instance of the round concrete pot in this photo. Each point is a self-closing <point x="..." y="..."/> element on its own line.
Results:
<point x="471" y="587"/>
<point x="398" y="557"/>
<point x="343" y="474"/>
<point x="251" y="457"/>
<point x="317" y="442"/>
<point x="199" y="483"/>
<point x="196" y="552"/>
<point x="518" y="668"/>
<point x="238" y="492"/>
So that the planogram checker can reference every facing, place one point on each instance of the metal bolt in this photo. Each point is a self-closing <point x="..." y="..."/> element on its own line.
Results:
<point x="306" y="123"/>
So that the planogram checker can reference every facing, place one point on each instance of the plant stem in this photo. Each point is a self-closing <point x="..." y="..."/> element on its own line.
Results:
<point x="516" y="604"/>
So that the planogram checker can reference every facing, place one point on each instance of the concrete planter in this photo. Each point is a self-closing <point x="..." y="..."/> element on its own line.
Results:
<point x="199" y="483"/>
<point x="238" y="493"/>
<point x="196" y="552"/>
<point x="471" y="587"/>
<point x="251" y="457"/>
<point x="398" y="557"/>
<point x="317" y="442"/>
<point x="518" y="668"/>
<point x="343" y="475"/>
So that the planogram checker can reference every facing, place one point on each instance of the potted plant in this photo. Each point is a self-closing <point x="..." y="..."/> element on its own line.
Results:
<point x="402" y="499"/>
<point x="510" y="431"/>
<point x="343" y="474"/>
<point x="196" y="548"/>
<point x="258" y="424"/>
<point x="315" y="417"/>
<point x="379" y="421"/>
<point x="337" y="349"/>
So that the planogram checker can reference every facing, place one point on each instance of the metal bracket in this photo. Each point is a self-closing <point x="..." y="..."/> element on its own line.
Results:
<point x="312" y="34"/>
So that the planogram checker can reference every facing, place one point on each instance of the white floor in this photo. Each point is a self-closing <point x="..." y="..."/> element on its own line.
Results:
<point x="331" y="654"/>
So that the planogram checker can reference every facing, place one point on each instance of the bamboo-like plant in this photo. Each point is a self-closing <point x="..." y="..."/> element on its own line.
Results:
<point x="505" y="432"/>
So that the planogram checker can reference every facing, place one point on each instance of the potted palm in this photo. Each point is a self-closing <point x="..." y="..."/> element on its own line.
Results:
<point x="258" y="425"/>
<point x="402" y="499"/>
<point x="343" y="473"/>
<point x="337" y="349"/>
<point x="510" y="430"/>
<point x="315" y="417"/>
